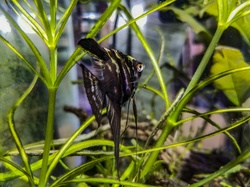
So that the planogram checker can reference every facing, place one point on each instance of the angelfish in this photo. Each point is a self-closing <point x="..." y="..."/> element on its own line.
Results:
<point x="112" y="81"/>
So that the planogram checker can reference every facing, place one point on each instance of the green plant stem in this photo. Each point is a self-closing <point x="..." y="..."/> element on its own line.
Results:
<point x="49" y="134"/>
<point x="197" y="75"/>
<point x="171" y="121"/>
<point x="53" y="62"/>
<point x="66" y="146"/>
<point x="153" y="156"/>
<point x="155" y="65"/>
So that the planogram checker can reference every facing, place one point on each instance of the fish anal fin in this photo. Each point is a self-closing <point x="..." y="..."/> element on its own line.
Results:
<point x="114" y="116"/>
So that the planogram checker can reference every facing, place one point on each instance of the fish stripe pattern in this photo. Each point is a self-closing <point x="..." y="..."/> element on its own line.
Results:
<point x="111" y="82"/>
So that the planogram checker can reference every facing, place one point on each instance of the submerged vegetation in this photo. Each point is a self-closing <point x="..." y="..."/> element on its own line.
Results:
<point x="159" y="158"/>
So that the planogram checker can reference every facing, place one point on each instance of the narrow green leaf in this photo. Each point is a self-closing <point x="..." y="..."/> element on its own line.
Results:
<point x="44" y="18"/>
<point x="187" y="18"/>
<point x="52" y="21"/>
<point x="22" y="58"/>
<point x="14" y="134"/>
<point x="153" y="90"/>
<point x="224" y="169"/>
<point x="29" y="19"/>
<point x="237" y="12"/>
<point x="65" y="147"/>
<point x="96" y="28"/>
<point x="104" y="181"/>
<point x="225" y="8"/>
<point x="76" y="56"/>
<point x="103" y="19"/>
<point x="12" y="164"/>
<point x="32" y="46"/>
<point x="64" y="18"/>
<point x="150" y="53"/>
<point x="242" y="25"/>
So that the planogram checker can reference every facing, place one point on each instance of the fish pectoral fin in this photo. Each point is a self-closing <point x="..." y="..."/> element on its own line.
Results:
<point x="114" y="116"/>
<point x="93" y="48"/>
<point x="94" y="93"/>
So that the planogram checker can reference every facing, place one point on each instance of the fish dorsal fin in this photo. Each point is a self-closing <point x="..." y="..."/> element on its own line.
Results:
<point x="93" y="48"/>
<point x="94" y="93"/>
<point x="99" y="56"/>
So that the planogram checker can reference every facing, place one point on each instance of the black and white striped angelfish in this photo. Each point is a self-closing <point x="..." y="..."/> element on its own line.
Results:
<point x="112" y="82"/>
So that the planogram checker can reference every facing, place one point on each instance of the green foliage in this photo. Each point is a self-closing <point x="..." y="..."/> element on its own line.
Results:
<point x="144" y="162"/>
<point x="234" y="14"/>
<point x="235" y="86"/>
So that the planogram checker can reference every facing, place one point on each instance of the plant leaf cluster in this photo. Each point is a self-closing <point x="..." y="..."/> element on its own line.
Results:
<point x="229" y="66"/>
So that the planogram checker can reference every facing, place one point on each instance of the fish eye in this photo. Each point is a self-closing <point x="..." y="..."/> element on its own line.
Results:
<point x="139" y="67"/>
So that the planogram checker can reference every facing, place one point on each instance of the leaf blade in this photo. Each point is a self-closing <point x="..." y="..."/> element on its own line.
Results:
<point x="235" y="86"/>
